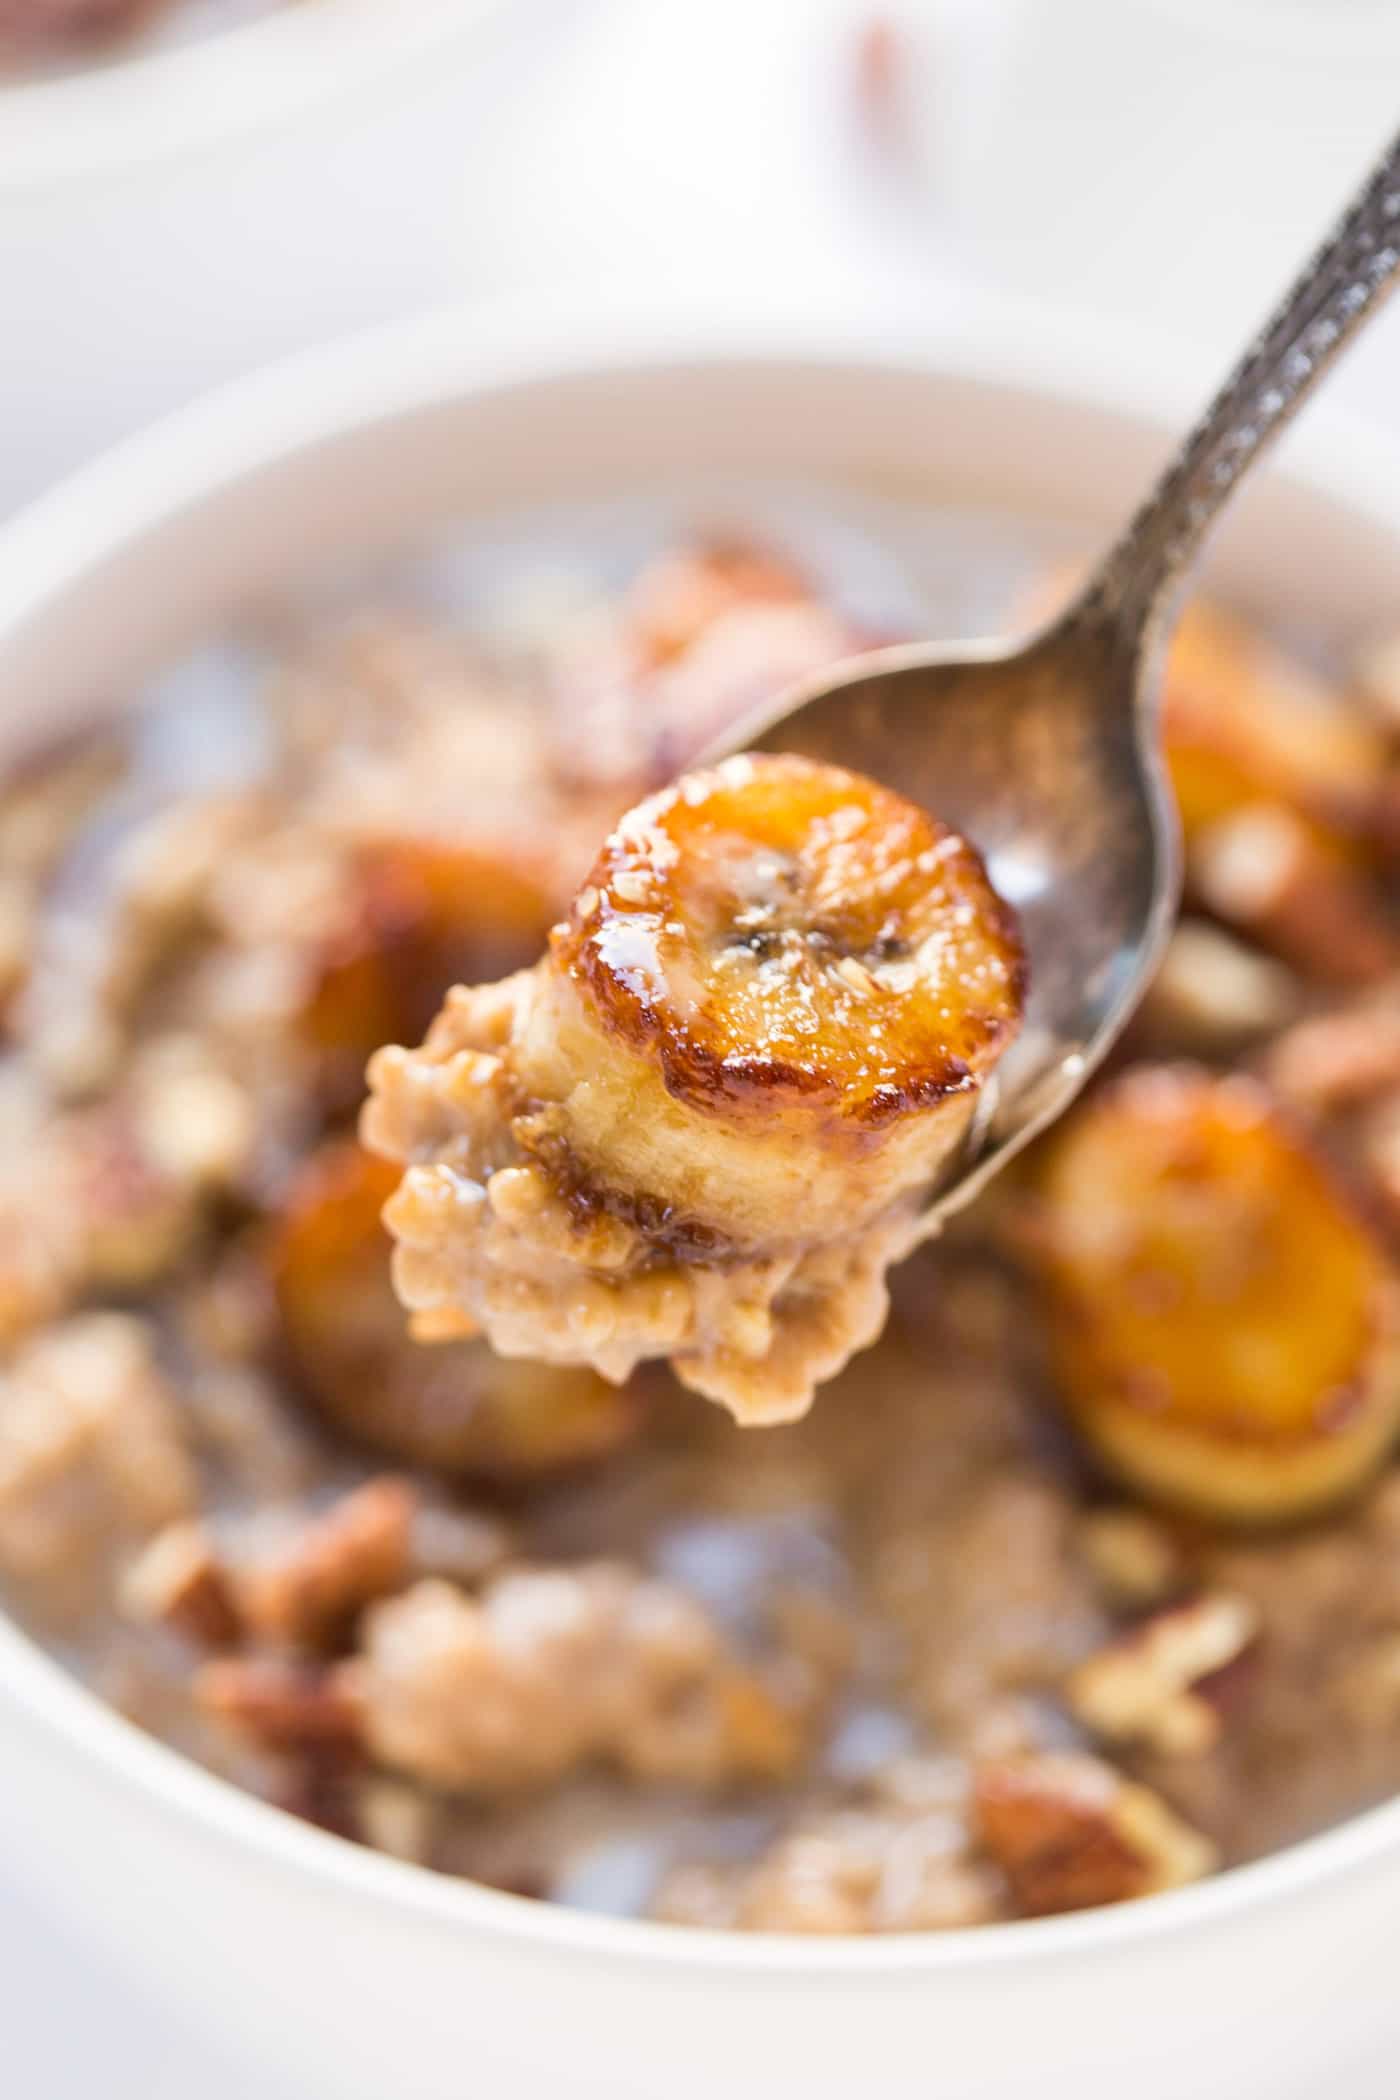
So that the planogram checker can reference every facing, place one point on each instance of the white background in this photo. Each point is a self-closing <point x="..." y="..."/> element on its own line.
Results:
<point x="1154" y="163"/>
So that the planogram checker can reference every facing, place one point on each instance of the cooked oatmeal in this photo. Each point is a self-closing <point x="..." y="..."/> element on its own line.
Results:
<point x="1084" y="1580"/>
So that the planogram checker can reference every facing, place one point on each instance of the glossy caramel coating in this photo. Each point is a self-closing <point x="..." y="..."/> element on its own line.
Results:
<point x="1222" y="1323"/>
<point x="1244" y="723"/>
<point x="781" y="934"/>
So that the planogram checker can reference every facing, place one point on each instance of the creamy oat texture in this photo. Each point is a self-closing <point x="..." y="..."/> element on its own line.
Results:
<point x="909" y="1664"/>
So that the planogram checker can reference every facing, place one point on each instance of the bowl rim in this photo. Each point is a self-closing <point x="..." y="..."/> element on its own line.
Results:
<point x="388" y="373"/>
<point x="139" y="106"/>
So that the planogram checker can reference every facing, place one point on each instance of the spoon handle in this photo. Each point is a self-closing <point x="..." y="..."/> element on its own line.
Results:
<point x="1337" y="292"/>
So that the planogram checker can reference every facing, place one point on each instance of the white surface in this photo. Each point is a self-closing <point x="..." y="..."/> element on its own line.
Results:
<point x="668" y="144"/>
<point x="346" y="1970"/>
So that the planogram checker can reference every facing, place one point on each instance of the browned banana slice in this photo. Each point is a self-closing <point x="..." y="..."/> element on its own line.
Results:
<point x="1222" y="1324"/>
<point x="779" y="981"/>
<point x="454" y="1405"/>
<point x="1245" y="723"/>
<point x="702" y="1126"/>
<point x="424" y="914"/>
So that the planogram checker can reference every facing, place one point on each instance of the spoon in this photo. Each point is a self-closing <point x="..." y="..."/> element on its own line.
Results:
<point x="1045" y="752"/>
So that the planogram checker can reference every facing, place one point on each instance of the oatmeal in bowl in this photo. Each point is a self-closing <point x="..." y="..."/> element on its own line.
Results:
<point x="1025" y="1618"/>
<point x="1053" y="1633"/>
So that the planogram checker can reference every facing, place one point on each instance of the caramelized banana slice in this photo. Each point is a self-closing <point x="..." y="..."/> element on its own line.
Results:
<point x="1222" y="1325"/>
<point x="703" y="1125"/>
<point x="422" y="914"/>
<point x="455" y="1405"/>
<point x="1246" y="723"/>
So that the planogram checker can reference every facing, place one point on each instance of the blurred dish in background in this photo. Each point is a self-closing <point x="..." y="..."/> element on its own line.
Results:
<point x="60" y="34"/>
<point x="1159" y="160"/>
<point x="159" y="77"/>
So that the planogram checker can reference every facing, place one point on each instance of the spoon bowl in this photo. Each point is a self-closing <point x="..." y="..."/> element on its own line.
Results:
<point x="1045" y="754"/>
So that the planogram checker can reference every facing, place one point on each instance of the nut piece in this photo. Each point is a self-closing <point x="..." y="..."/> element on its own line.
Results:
<point x="1070" y="1833"/>
<point x="1264" y="870"/>
<point x="355" y="1551"/>
<point x="1222" y="1322"/>
<point x="279" y="1705"/>
<point x="179" y="1581"/>
<point x="1146" y="1686"/>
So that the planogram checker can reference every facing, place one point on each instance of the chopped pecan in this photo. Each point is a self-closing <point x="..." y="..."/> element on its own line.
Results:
<point x="1070" y="1833"/>
<point x="279" y="1705"/>
<point x="356" y="1551"/>
<point x="1264" y="870"/>
<point x="179" y="1581"/>
<point x="1151" y="1684"/>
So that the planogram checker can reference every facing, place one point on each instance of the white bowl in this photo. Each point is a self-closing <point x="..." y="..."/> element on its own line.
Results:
<point x="365" y="1977"/>
<point x="196" y="208"/>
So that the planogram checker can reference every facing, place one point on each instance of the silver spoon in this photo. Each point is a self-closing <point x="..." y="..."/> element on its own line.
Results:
<point x="1045" y="752"/>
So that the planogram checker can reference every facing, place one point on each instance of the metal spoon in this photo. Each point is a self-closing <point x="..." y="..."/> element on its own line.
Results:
<point x="1045" y="753"/>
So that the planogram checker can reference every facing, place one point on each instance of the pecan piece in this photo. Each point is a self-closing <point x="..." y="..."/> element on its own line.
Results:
<point x="1264" y="870"/>
<point x="1151" y="1684"/>
<point x="179" y="1581"/>
<point x="1070" y="1833"/>
<point x="357" y="1550"/>
<point x="280" y="1705"/>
